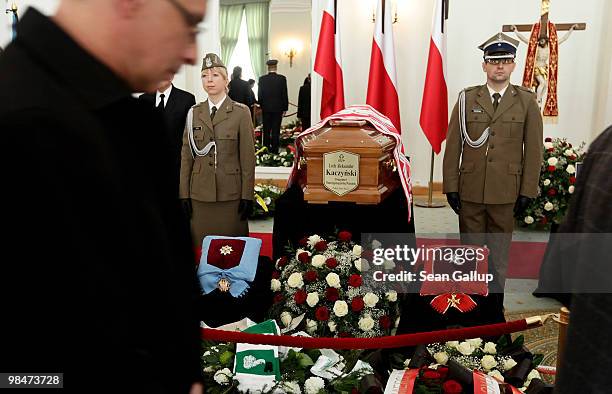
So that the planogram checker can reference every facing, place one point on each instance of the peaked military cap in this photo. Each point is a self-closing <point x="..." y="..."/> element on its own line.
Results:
<point x="272" y="62"/>
<point x="211" y="60"/>
<point x="500" y="46"/>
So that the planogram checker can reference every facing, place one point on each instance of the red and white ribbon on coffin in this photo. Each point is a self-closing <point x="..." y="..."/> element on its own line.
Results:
<point x="380" y="123"/>
<point x="461" y="301"/>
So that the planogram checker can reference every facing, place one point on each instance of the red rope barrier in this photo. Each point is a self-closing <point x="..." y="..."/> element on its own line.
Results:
<point x="394" y="341"/>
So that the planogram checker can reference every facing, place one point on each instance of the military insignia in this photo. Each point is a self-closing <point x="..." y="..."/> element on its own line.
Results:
<point x="197" y="128"/>
<point x="477" y="110"/>
<point x="208" y="62"/>
<point x="224" y="285"/>
<point x="226" y="250"/>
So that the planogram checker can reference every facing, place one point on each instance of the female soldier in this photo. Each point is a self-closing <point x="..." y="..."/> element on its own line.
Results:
<point x="217" y="159"/>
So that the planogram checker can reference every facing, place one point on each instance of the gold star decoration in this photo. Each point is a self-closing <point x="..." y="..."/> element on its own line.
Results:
<point x="453" y="300"/>
<point x="226" y="250"/>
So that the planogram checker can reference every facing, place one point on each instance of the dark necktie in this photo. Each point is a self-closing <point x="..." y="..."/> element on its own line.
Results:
<point x="161" y="106"/>
<point x="213" y="112"/>
<point x="496" y="98"/>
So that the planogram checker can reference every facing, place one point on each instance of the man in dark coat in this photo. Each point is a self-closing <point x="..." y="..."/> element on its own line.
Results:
<point x="272" y="97"/>
<point x="174" y="104"/>
<point x="239" y="89"/>
<point x="98" y="279"/>
<point x="304" y="104"/>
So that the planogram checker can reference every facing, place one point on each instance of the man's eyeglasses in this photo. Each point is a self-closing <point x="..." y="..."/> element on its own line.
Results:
<point x="190" y="19"/>
<point x="496" y="62"/>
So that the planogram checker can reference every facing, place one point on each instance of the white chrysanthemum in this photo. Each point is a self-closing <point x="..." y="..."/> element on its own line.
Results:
<point x="488" y="362"/>
<point x="288" y="388"/>
<point x="286" y="318"/>
<point x="570" y="169"/>
<point x="295" y="280"/>
<point x="571" y="189"/>
<point x="357" y="250"/>
<point x="465" y="348"/>
<point x="529" y="219"/>
<point x="441" y="357"/>
<point x="333" y="280"/>
<point x="275" y="285"/>
<point x="552" y="161"/>
<point x="509" y="364"/>
<point x="548" y="145"/>
<point x="370" y="300"/>
<point x="548" y="206"/>
<point x="546" y="182"/>
<point x="258" y="189"/>
<point x="299" y="251"/>
<point x="332" y="326"/>
<point x="312" y="299"/>
<point x="268" y="200"/>
<point x="452" y="344"/>
<point x="318" y="260"/>
<point x="314" y="239"/>
<point x="283" y="153"/>
<point x="366" y="323"/>
<point x="475" y="342"/>
<point x="223" y="376"/>
<point x="313" y="385"/>
<point x="490" y="348"/>
<point x="340" y="308"/>
<point x="497" y="375"/>
<point x="311" y="326"/>
<point x="391" y="295"/>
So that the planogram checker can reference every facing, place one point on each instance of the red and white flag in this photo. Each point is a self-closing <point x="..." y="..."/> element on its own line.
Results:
<point x="328" y="62"/>
<point x="434" y="109"/>
<point x="382" y="82"/>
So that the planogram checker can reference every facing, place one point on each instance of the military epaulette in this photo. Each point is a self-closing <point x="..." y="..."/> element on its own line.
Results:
<point x="472" y="88"/>
<point x="240" y="105"/>
<point x="524" y="89"/>
<point x="198" y="105"/>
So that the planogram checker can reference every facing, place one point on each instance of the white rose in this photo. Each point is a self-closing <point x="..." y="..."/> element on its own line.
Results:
<point x="497" y="375"/>
<point x="529" y="219"/>
<point x="509" y="364"/>
<point x="548" y="206"/>
<point x="332" y="326"/>
<point x="333" y="280"/>
<point x="475" y="342"/>
<point x="570" y="189"/>
<point x="340" y="308"/>
<point x="286" y="318"/>
<point x="313" y="385"/>
<point x="366" y="323"/>
<point x="258" y="189"/>
<point x="548" y="145"/>
<point x="358" y="264"/>
<point x="268" y="200"/>
<point x="311" y="326"/>
<point x="357" y="250"/>
<point x="441" y="357"/>
<point x="376" y="244"/>
<point x="570" y="169"/>
<point x="546" y="182"/>
<point x="568" y="152"/>
<point x="552" y="161"/>
<point x="275" y="285"/>
<point x="488" y="362"/>
<point x="534" y="374"/>
<point x="295" y="280"/>
<point x="313" y="239"/>
<point x="392" y="295"/>
<point x="370" y="299"/>
<point x="284" y="153"/>
<point x="312" y="299"/>
<point x="452" y="344"/>
<point x="223" y="376"/>
<point x="300" y="251"/>
<point x="465" y="348"/>
<point x="318" y="261"/>
<point x="490" y="348"/>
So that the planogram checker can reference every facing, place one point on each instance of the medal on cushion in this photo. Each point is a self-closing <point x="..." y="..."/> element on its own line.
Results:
<point x="224" y="285"/>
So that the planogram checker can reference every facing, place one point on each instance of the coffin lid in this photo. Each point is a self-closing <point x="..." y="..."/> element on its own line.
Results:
<point x="355" y="136"/>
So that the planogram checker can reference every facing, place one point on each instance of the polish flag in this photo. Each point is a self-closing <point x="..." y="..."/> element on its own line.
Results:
<point x="382" y="82"/>
<point x="434" y="109"/>
<point x="328" y="63"/>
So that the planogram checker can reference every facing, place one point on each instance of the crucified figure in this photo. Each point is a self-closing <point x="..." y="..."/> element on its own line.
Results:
<point x="542" y="58"/>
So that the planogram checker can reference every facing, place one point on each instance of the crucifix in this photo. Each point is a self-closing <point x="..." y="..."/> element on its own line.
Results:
<point x="541" y="67"/>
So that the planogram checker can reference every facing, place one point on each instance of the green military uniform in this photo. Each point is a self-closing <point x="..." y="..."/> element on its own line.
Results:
<point x="217" y="167"/>
<point x="489" y="178"/>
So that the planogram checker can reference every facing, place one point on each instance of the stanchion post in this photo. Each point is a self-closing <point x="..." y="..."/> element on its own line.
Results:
<point x="429" y="203"/>
<point x="563" y="320"/>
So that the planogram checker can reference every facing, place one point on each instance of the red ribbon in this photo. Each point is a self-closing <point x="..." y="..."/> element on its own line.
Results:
<point x="462" y="302"/>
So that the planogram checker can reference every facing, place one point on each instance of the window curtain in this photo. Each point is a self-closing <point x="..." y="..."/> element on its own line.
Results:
<point x="257" y="19"/>
<point x="230" y="17"/>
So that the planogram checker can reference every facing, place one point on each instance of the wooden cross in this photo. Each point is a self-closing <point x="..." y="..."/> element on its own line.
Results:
<point x="544" y="23"/>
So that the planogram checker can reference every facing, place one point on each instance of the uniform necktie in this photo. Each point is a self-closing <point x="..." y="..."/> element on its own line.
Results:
<point x="160" y="106"/>
<point x="213" y="112"/>
<point x="496" y="98"/>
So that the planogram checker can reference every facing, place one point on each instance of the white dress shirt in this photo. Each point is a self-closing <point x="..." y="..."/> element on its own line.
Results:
<point x="218" y="105"/>
<point x="166" y="94"/>
<point x="501" y="92"/>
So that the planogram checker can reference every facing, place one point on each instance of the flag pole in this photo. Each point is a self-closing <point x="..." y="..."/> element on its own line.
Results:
<point x="429" y="203"/>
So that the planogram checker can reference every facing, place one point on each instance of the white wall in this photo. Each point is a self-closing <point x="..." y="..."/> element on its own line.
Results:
<point x="583" y="67"/>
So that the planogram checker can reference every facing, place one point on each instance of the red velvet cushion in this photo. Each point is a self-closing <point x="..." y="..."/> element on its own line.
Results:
<point x="225" y="261"/>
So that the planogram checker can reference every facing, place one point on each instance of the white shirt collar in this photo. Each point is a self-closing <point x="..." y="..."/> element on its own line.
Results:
<point x="166" y="94"/>
<point x="218" y="105"/>
<point x="501" y="92"/>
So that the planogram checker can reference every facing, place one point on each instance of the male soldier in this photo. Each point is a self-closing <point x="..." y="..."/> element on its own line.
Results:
<point x="272" y="97"/>
<point x="98" y="279"/>
<point x="493" y="155"/>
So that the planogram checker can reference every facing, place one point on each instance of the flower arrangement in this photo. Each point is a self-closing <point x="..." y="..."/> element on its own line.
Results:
<point x="289" y="133"/>
<point x="557" y="178"/>
<point x="265" y="201"/>
<point x="320" y="283"/>
<point x="264" y="158"/>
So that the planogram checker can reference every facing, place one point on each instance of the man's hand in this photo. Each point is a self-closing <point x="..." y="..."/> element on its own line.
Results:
<point x="245" y="208"/>
<point x="187" y="209"/>
<point x="454" y="201"/>
<point x="521" y="204"/>
<point x="197" y="388"/>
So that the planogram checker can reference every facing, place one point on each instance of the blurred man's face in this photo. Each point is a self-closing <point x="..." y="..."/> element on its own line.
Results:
<point x="163" y="38"/>
<point x="163" y="85"/>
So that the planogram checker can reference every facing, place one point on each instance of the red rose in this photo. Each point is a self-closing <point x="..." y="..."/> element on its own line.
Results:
<point x="321" y="246"/>
<point x="310" y="276"/>
<point x="282" y="262"/>
<point x="431" y="375"/>
<point x="572" y="157"/>
<point x="385" y="322"/>
<point x="331" y="263"/>
<point x="300" y="297"/>
<point x="278" y="297"/>
<point x="550" y="150"/>
<point x="548" y="139"/>
<point x="275" y="275"/>
<point x="443" y="371"/>
<point x="357" y="304"/>
<point x="322" y="313"/>
<point x="572" y="180"/>
<point x="552" y="192"/>
<point x="303" y="241"/>
<point x="332" y="294"/>
<point x="345" y="236"/>
<point x="544" y="220"/>
<point x="551" y="168"/>
<point x="355" y="280"/>
<point x="304" y="257"/>
<point x="452" y="387"/>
